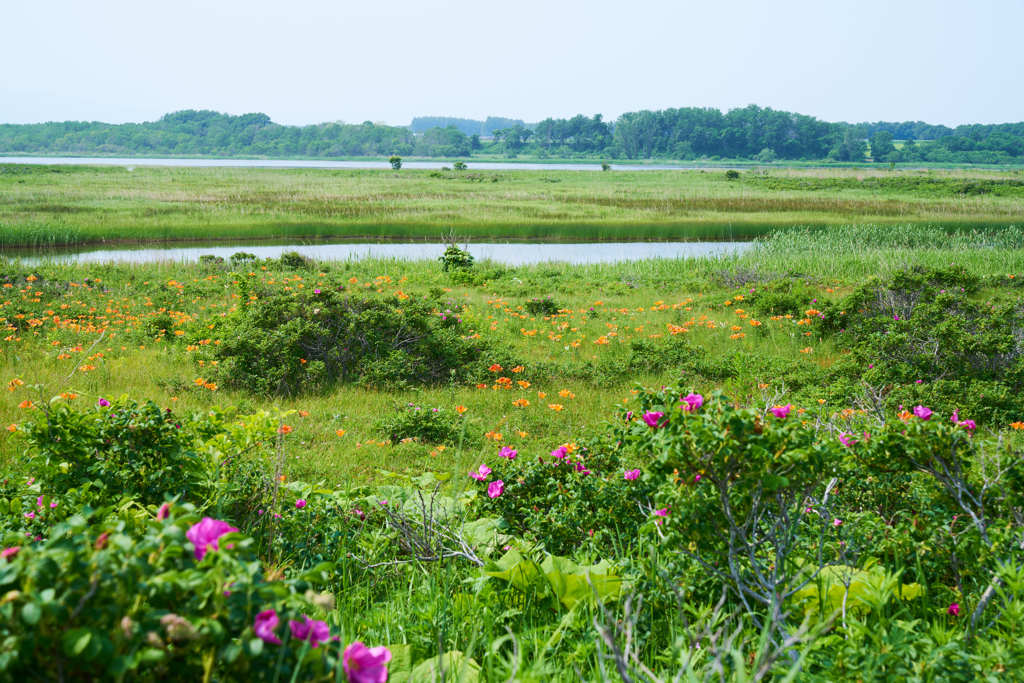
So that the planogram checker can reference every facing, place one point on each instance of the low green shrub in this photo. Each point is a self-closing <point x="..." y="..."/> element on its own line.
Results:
<point x="111" y="594"/>
<point x="121" y="447"/>
<point x="411" y="421"/>
<point x="283" y="344"/>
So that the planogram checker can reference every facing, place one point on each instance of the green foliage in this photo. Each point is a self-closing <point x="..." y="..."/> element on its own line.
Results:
<point x="118" y="593"/>
<point x="455" y="259"/>
<point x="557" y="579"/>
<point x="561" y="500"/>
<point x="920" y="334"/>
<point x="544" y="306"/>
<point x="395" y="161"/>
<point x="732" y="174"/>
<point x="410" y="421"/>
<point x="284" y="344"/>
<point x="123" y="448"/>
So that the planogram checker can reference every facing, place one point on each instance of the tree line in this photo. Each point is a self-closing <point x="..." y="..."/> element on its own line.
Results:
<point x="692" y="133"/>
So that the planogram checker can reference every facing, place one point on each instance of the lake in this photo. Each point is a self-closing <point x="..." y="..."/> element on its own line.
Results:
<point x="327" y="163"/>
<point x="512" y="254"/>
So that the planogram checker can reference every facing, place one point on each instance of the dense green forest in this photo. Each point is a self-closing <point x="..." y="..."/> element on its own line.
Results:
<point x="752" y="133"/>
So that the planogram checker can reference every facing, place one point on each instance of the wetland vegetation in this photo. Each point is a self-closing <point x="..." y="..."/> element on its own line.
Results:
<point x="803" y="460"/>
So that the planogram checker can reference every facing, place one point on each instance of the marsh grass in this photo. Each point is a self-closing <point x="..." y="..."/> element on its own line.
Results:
<point x="50" y="206"/>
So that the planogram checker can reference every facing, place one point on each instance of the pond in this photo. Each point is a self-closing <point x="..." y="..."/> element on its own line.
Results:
<point x="512" y="253"/>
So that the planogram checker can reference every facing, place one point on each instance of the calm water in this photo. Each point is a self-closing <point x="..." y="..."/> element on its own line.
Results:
<point x="513" y="254"/>
<point x="326" y="163"/>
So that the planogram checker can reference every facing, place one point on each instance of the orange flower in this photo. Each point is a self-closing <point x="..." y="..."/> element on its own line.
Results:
<point x="481" y="385"/>
<point x="495" y="368"/>
<point x="340" y="432"/>
<point x="1017" y="425"/>
<point x="565" y="393"/>
<point x="12" y="427"/>
<point x="557" y="407"/>
<point x="517" y="369"/>
<point x="26" y="404"/>
<point x="460" y="409"/>
<point x="520" y="403"/>
<point x="284" y="429"/>
<point x="541" y="394"/>
<point x="523" y="383"/>
<point x="303" y="413"/>
<point x="806" y="349"/>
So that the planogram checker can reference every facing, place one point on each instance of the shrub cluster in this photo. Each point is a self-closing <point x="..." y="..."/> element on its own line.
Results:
<point x="289" y="345"/>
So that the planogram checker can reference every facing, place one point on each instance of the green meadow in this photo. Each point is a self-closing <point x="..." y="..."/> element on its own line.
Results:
<point x="61" y="205"/>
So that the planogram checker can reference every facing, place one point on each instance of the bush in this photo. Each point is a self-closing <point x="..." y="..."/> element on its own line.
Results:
<point x="293" y="260"/>
<point x="575" y="494"/>
<point x="288" y="345"/>
<point x="545" y="306"/>
<point x="732" y="174"/>
<point x="434" y="426"/>
<point x="455" y="259"/>
<point x="112" y="594"/>
<point x="123" y="448"/>
<point x="395" y="161"/>
<point x="920" y="335"/>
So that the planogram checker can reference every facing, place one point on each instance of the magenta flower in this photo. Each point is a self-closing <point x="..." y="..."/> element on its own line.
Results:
<point x="163" y="512"/>
<point x="264" y="626"/>
<point x="846" y="439"/>
<point x="692" y="402"/>
<point x="205" y="533"/>
<point x="507" y="452"/>
<point x="652" y="418"/>
<point x="631" y="475"/>
<point x="923" y="413"/>
<point x="955" y="417"/>
<point x="8" y="553"/>
<point x="837" y="522"/>
<point x="300" y="503"/>
<point x="495" y="488"/>
<point x="663" y="512"/>
<point x="560" y="452"/>
<point x="953" y="609"/>
<point x="781" y="411"/>
<point x="314" y="631"/>
<point x="969" y="425"/>
<point x="366" y="664"/>
<point x="481" y="473"/>
<point x="103" y="403"/>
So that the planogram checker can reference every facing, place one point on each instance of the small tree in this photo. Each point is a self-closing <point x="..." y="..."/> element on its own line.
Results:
<point x="396" y="162"/>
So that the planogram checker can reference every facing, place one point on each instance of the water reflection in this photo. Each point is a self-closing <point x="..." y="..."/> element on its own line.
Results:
<point x="513" y="254"/>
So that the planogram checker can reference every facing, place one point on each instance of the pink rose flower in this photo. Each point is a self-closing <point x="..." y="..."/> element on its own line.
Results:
<point x="366" y="664"/>
<point x="692" y="402"/>
<point x="507" y="452"/>
<point x="922" y="412"/>
<point x="781" y="411"/>
<point x="481" y="473"/>
<point x="651" y="419"/>
<point x="314" y="631"/>
<point x="264" y="626"/>
<point x="631" y="475"/>
<point x="205" y="533"/>
<point x="495" y="488"/>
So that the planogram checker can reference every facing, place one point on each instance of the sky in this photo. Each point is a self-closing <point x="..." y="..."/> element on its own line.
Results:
<point x="310" y="61"/>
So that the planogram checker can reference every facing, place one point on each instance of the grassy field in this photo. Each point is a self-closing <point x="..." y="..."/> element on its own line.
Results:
<point x="52" y="205"/>
<point x="104" y="314"/>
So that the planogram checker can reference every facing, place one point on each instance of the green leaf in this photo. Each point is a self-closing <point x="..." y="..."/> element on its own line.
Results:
<point x="451" y="666"/>
<point x="31" y="614"/>
<point x="76" y="641"/>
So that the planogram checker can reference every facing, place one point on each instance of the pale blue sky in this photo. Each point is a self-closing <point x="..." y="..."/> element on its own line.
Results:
<point x="308" y="61"/>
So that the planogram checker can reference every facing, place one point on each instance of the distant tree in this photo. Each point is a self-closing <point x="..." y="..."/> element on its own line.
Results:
<point x="474" y="142"/>
<point x="881" y="145"/>
<point x="395" y="161"/>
